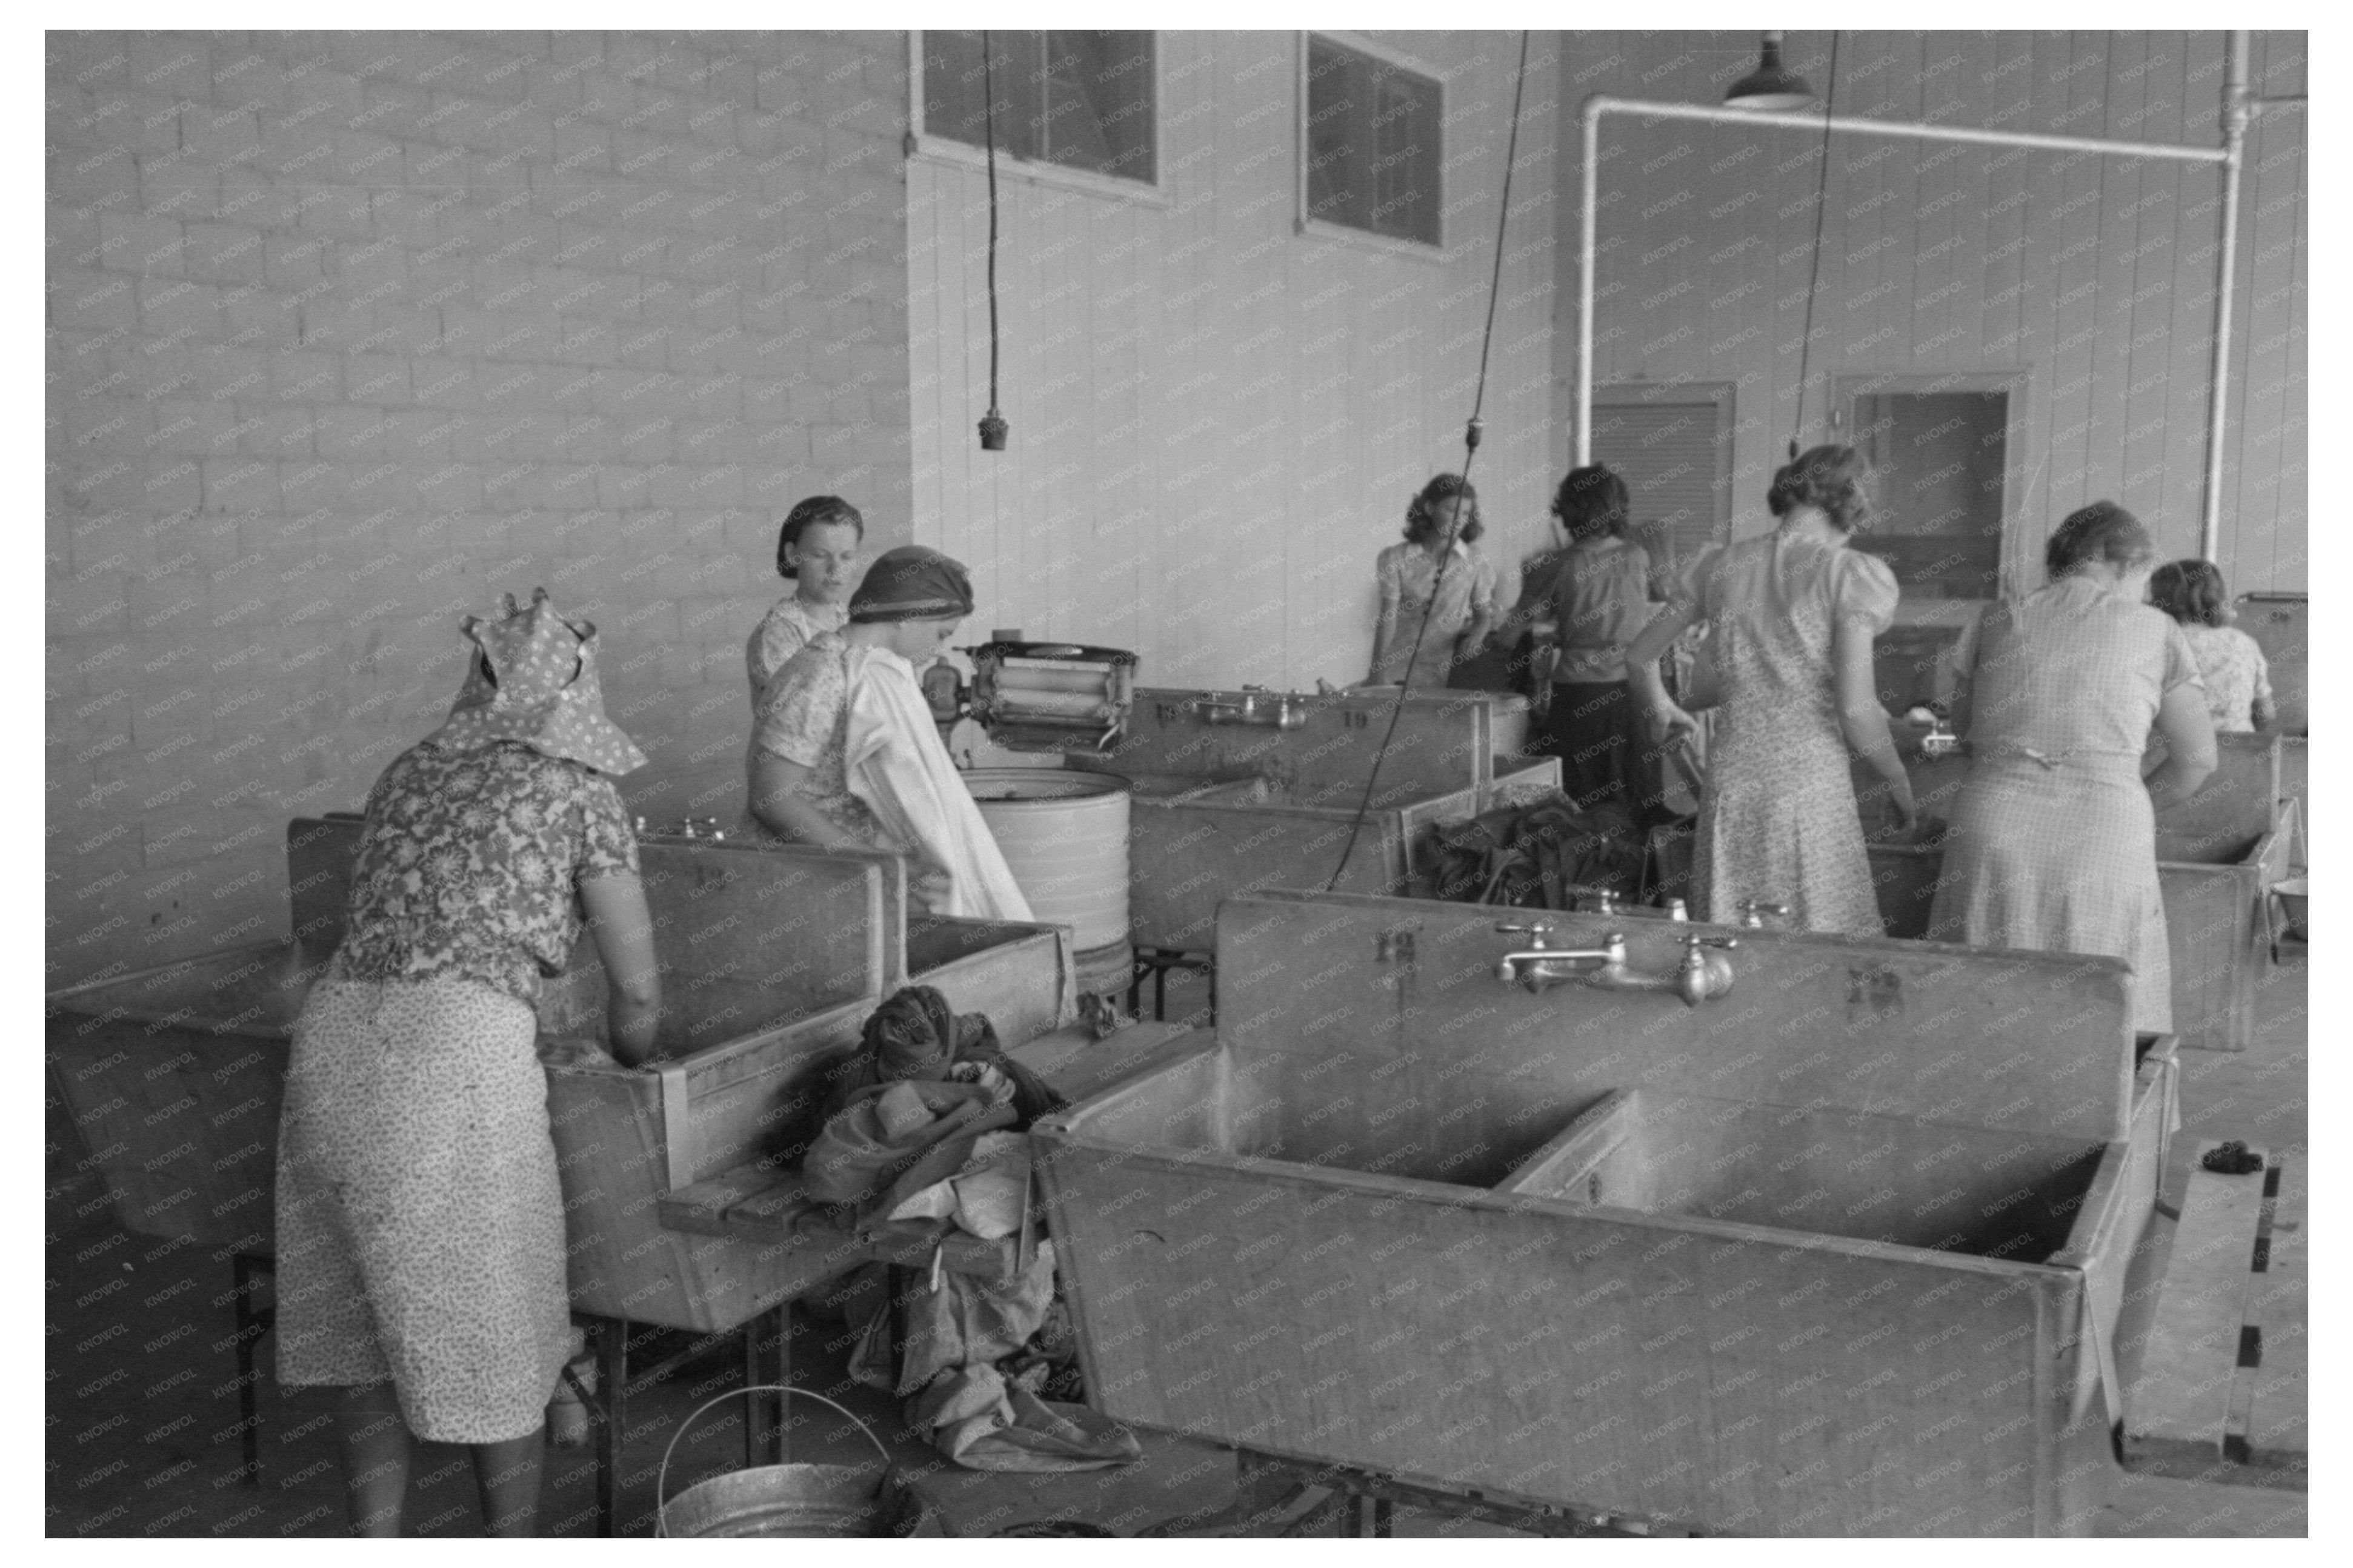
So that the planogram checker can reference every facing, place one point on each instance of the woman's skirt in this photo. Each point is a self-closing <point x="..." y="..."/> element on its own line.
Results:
<point x="2059" y="859"/>
<point x="1590" y="726"/>
<point x="420" y="1225"/>
<point x="1777" y="824"/>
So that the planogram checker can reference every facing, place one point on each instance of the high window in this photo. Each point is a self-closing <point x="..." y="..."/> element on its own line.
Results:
<point x="1372" y="144"/>
<point x="1082" y="100"/>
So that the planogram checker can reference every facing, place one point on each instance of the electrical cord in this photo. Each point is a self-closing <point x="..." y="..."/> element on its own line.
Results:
<point x="1470" y="450"/>
<point x="1814" y="279"/>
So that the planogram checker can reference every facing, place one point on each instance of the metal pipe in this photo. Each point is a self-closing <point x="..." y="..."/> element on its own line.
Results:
<point x="2235" y="116"/>
<point x="1585" y="244"/>
<point x="1601" y="103"/>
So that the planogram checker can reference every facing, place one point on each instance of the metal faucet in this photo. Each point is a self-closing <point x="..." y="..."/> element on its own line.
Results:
<point x="1269" y="710"/>
<point x="694" y="828"/>
<point x="1604" y="901"/>
<point x="1754" y="910"/>
<point x="1703" y="973"/>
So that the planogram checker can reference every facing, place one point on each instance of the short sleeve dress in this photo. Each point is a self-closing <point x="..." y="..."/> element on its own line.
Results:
<point x="1404" y="574"/>
<point x="2236" y="674"/>
<point x="419" y="1213"/>
<point x="1776" y="820"/>
<point x="789" y="627"/>
<point x="804" y="718"/>
<point x="2053" y="839"/>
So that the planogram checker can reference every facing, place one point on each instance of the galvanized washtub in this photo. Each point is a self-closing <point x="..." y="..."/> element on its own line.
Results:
<point x="792" y="1501"/>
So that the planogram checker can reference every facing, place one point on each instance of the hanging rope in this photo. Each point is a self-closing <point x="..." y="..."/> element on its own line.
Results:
<point x="992" y="424"/>
<point x="1813" y="281"/>
<point x="1470" y="434"/>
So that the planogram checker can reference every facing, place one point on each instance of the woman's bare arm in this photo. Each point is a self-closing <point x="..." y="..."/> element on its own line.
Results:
<point x="1863" y="720"/>
<point x="2191" y="755"/>
<point x="780" y="804"/>
<point x="622" y="927"/>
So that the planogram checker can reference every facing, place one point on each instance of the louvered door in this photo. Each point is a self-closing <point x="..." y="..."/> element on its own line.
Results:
<point x="1672" y="445"/>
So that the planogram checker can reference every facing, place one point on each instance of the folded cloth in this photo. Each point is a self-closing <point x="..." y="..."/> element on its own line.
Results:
<point x="982" y="1422"/>
<point x="895" y="764"/>
<point x="855" y="1160"/>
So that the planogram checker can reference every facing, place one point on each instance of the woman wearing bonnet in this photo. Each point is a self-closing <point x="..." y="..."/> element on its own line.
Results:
<point x="420" y="1225"/>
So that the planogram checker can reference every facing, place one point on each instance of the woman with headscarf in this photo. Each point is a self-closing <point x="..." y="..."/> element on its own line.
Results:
<point x="1791" y="618"/>
<point x="844" y="753"/>
<point x="1414" y="640"/>
<point x="2053" y="837"/>
<point x="420" y="1225"/>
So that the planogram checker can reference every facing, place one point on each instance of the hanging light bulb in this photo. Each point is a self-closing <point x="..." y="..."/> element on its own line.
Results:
<point x="1771" y="85"/>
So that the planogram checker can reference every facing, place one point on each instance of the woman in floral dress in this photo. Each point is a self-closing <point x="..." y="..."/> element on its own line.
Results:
<point x="1791" y="618"/>
<point x="2238" y="677"/>
<point x="420" y="1226"/>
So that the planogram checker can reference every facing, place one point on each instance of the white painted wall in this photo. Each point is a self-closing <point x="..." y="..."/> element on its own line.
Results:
<point x="1218" y="421"/>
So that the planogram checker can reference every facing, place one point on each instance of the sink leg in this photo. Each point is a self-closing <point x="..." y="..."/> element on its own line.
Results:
<point x="612" y="1375"/>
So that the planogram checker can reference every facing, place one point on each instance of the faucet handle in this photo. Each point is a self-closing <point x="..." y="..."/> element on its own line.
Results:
<point x="1538" y="932"/>
<point x="1604" y="900"/>
<point x="1696" y="941"/>
<point x="1754" y="910"/>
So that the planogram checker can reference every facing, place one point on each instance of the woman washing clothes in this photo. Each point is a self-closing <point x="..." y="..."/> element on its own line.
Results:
<point x="1791" y="618"/>
<point x="844" y="753"/>
<point x="817" y="551"/>
<point x="1440" y="549"/>
<point x="2054" y="839"/>
<point x="2238" y="677"/>
<point x="420" y="1227"/>
<point x="1598" y="598"/>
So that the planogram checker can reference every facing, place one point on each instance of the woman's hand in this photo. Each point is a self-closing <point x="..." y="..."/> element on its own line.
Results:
<point x="1669" y="725"/>
<point x="1902" y="815"/>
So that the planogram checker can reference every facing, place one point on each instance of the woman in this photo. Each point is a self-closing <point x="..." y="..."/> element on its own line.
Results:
<point x="2238" y="677"/>
<point x="2053" y="840"/>
<point x="1598" y="597"/>
<point x="420" y="1227"/>
<point x="1441" y="525"/>
<point x="817" y="550"/>
<point x="1790" y="619"/>
<point x="844" y="753"/>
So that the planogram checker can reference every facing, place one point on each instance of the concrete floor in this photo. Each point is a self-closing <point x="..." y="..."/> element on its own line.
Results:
<point x="141" y="1406"/>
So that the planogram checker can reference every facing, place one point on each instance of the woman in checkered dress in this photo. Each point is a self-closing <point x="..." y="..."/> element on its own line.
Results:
<point x="2053" y="840"/>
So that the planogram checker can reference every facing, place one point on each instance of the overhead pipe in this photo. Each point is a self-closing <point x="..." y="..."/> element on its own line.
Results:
<point x="2236" y="115"/>
<point x="1599" y="104"/>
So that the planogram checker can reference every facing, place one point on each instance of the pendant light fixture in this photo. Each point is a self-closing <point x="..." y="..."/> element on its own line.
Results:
<point x="1771" y="85"/>
<point x="993" y="428"/>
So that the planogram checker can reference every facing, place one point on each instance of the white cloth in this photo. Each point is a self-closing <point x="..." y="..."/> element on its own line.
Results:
<point x="894" y="763"/>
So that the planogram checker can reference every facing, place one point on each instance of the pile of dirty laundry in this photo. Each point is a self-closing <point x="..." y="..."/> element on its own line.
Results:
<point x="929" y="1122"/>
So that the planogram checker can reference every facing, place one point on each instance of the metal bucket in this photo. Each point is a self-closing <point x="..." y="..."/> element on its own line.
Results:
<point x="802" y="1501"/>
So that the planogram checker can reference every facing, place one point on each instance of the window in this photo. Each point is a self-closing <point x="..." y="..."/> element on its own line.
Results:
<point x="1080" y="101"/>
<point x="1672" y="445"/>
<point x="1941" y="450"/>
<point x="1371" y="146"/>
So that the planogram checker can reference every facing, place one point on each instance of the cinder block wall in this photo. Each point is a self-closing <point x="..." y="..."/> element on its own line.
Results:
<point x="347" y="334"/>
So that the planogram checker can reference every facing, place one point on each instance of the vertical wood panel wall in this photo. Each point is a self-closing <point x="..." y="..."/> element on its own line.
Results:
<point x="2095" y="274"/>
<point x="1217" y="421"/>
